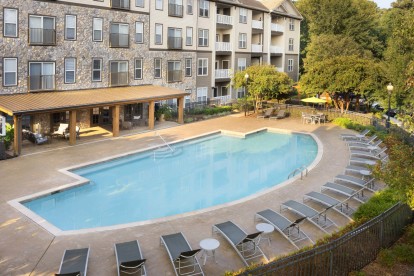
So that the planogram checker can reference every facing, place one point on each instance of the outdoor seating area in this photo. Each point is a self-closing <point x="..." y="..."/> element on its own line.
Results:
<point x="313" y="118"/>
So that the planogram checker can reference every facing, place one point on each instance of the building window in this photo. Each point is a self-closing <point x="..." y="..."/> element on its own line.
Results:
<point x="119" y="36"/>
<point x="158" y="4"/>
<point x="174" y="71"/>
<point x="241" y="92"/>
<point x="187" y="99"/>
<point x="189" y="36"/>
<point x="243" y="15"/>
<point x="97" y="29"/>
<point x="242" y="40"/>
<point x="157" y="68"/>
<point x="290" y="65"/>
<point x="204" y="8"/>
<point x="175" y="8"/>
<point x="118" y="73"/>
<point x="120" y="4"/>
<point x="10" y="26"/>
<point x="291" y="24"/>
<point x="41" y="76"/>
<point x="70" y="27"/>
<point x="189" y="6"/>
<point x="175" y="39"/>
<point x="138" y="69"/>
<point x="9" y="71"/>
<point x="241" y="64"/>
<point x="202" y="94"/>
<point x="139" y="3"/>
<point x="202" y="67"/>
<point x="202" y="37"/>
<point x="96" y="69"/>
<point x="70" y="70"/>
<point x="290" y="44"/>
<point x="42" y="30"/>
<point x="139" y="32"/>
<point x="158" y="33"/>
<point x="188" y="67"/>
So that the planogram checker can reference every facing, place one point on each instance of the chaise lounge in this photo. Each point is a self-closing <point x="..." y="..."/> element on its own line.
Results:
<point x="358" y="195"/>
<point x="330" y="202"/>
<point x="74" y="262"/>
<point x="129" y="258"/>
<point x="358" y="136"/>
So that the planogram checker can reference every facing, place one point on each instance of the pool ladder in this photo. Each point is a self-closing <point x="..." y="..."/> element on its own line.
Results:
<point x="300" y="169"/>
<point x="161" y="153"/>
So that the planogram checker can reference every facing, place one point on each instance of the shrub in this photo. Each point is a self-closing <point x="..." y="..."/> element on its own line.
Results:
<point x="8" y="139"/>
<point x="380" y="202"/>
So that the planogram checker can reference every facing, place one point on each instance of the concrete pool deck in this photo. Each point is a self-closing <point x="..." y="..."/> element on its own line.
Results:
<point x="28" y="249"/>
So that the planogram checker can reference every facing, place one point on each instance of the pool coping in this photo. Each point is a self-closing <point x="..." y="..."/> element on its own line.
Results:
<point x="79" y="181"/>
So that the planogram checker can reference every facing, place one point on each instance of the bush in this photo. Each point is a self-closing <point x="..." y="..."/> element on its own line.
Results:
<point x="8" y="139"/>
<point x="376" y="205"/>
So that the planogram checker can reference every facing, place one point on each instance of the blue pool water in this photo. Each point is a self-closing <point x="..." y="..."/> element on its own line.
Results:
<point x="203" y="173"/>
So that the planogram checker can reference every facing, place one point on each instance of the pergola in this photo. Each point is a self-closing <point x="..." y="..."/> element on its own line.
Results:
<point x="17" y="105"/>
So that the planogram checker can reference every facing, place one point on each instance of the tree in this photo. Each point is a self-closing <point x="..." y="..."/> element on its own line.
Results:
<point x="264" y="82"/>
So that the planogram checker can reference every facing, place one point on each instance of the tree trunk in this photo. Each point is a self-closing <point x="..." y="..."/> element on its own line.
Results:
<point x="357" y="103"/>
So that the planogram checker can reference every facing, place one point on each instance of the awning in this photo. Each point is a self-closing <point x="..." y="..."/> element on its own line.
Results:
<point x="42" y="102"/>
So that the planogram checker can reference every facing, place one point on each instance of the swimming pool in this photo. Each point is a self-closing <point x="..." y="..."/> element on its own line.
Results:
<point x="197" y="174"/>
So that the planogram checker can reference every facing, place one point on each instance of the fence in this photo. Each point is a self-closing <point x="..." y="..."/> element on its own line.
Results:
<point x="350" y="252"/>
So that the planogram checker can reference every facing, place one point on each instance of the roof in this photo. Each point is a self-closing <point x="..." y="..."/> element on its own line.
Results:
<point x="253" y="4"/>
<point x="30" y="103"/>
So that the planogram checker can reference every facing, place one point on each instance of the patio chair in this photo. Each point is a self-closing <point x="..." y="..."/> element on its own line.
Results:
<point x="67" y="134"/>
<point x="182" y="256"/>
<point x="74" y="262"/>
<point x="359" y="136"/>
<point x="35" y="138"/>
<point x="376" y="154"/>
<point x="330" y="202"/>
<point x="266" y="114"/>
<point x="349" y="179"/>
<point x="129" y="259"/>
<point x="60" y="131"/>
<point x="358" y="195"/>
<point x="280" y="114"/>
<point x="306" y="118"/>
<point x="364" y="147"/>
<point x="290" y="230"/>
<point x="246" y="245"/>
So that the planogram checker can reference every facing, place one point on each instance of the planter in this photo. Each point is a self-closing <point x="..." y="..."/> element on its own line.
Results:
<point x="161" y="118"/>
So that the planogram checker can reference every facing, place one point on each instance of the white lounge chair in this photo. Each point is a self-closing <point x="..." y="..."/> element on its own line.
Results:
<point x="61" y="130"/>
<point x="376" y="154"/>
<point x="359" y="136"/>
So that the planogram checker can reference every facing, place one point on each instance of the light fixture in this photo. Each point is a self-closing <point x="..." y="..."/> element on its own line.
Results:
<point x="389" y="89"/>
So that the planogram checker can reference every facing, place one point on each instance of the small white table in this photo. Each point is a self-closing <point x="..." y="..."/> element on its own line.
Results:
<point x="365" y="173"/>
<point x="209" y="247"/>
<point x="370" y="162"/>
<point x="372" y="148"/>
<point x="266" y="228"/>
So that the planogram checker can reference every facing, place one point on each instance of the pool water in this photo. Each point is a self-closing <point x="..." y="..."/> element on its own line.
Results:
<point x="198" y="174"/>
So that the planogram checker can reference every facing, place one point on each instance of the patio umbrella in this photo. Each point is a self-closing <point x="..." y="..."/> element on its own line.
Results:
<point x="313" y="100"/>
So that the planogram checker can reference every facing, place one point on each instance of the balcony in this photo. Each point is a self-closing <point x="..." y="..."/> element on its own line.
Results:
<point x="117" y="40"/>
<point x="118" y="78"/>
<point x="276" y="50"/>
<point x="256" y="24"/>
<point x="224" y="19"/>
<point x="40" y="36"/>
<point x="279" y="69"/>
<point x="257" y="48"/>
<point x="175" y="43"/>
<point x="223" y="47"/>
<point x="175" y="10"/>
<point x="222" y="99"/>
<point x="41" y="83"/>
<point x="276" y="28"/>
<point x="223" y="74"/>
<point x="120" y="4"/>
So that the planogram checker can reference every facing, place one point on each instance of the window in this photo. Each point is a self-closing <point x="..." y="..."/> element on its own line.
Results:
<point x="202" y="68"/>
<point x="174" y="71"/>
<point x="243" y="15"/>
<point x="187" y="99"/>
<point x="290" y="44"/>
<point x="157" y="68"/>
<point x="175" y="8"/>
<point x="204" y="8"/>
<point x="139" y="32"/>
<point x="139" y="3"/>
<point x="175" y="40"/>
<point x="189" y="36"/>
<point x="70" y="27"/>
<point x="70" y="70"/>
<point x="241" y="92"/>
<point x="290" y="65"/>
<point x="9" y="71"/>
<point x="201" y="94"/>
<point x="120" y="4"/>
<point x="189" y="6"/>
<point x="42" y="30"/>
<point x="202" y="37"/>
<point x="241" y="64"/>
<point x="118" y="73"/>
<point x="242" y="40"/>
<point x="158" y="4"/>
<point x="96" y="69"/>
<point x="291" y="24"/>
<point x="41" y="76"/>
<point x="97" y="29"/>
<point x="138" y="69"/>
<point x="188" y="67"/>
<point x="158" y="33"/>
<point x="10" y="26"/>
<point x="119" y="36"/>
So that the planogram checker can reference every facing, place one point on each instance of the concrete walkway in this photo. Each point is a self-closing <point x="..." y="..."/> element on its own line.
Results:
<point x="28" y="249"/>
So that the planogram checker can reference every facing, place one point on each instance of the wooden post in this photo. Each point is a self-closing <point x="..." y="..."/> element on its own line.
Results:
<point x="180" y="107"/>
<point x="115" y="121"/>
<point x="72" y="127"/>
<point x="151" y="119"/>
<point x="17" y="142"/>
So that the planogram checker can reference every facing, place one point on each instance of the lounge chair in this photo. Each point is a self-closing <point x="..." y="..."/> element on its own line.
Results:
<point x="358" y="136"/>
<point x="290" y="230"/>
<point x="364" y="147"/>
<point x="349" y="179"/>
<point x="330" y="202"/>
<point x="358" y="195"/>
<point x="280" y="114"/>
<point x="182" y="256"/>
<point x="367" y="142"/>
<point x="319" y="219"/>
<point x="366" y="154"/>
<point x="61" y="130"/>
<point x="67" y="134"/>
<point x="247" y="246"/>
<point x="129" y="258"/>
<point x="74" y="262"/>
<point x="356" y="169"/>
<point x="266" y="114"/>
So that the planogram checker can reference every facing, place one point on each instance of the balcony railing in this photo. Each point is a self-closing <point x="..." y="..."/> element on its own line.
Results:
<point x="120" y="4"/>
<point x="117" y="40"/>
<point x="256" y="24"/>
<point x="41" y="83"/>
<point x="39" y="36"/>
<point x="223" y="99"/>
<point x="276" y="28"/>
<point x="279" y="69"/>
<point x="223" y="74"/>
<point x="257" y="48"/>
<point x="276" y="50"/>
<point x="118" y="78"/>
<point x="175" y="10"/>
<point x="175" y="42"/>
<point x="223" y="47"/>
<point x="224" y="19"/>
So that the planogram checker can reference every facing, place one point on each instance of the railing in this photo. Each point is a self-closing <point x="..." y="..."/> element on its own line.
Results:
<point x="222" y="99"/>
<point x="175" y="10"/>
<point x="276" y="28"/>
<point x="257" y="48"/>
<point x="39" y="36"/>
<point x="256" y="24"/>
<point x="300" y="169"/>
<point x="223" y="73"/>
<point x="120" y="4"/>
<point x="276" y="50"/>
<point x="117" y="40"/>
<point x="223" y="47"/>
<point x="279" y="69"/>
<point x="175" y="42"/>
<point x="224" y="19"/>
<point x="119" y="78"/>
<point x="41" y="83"/>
